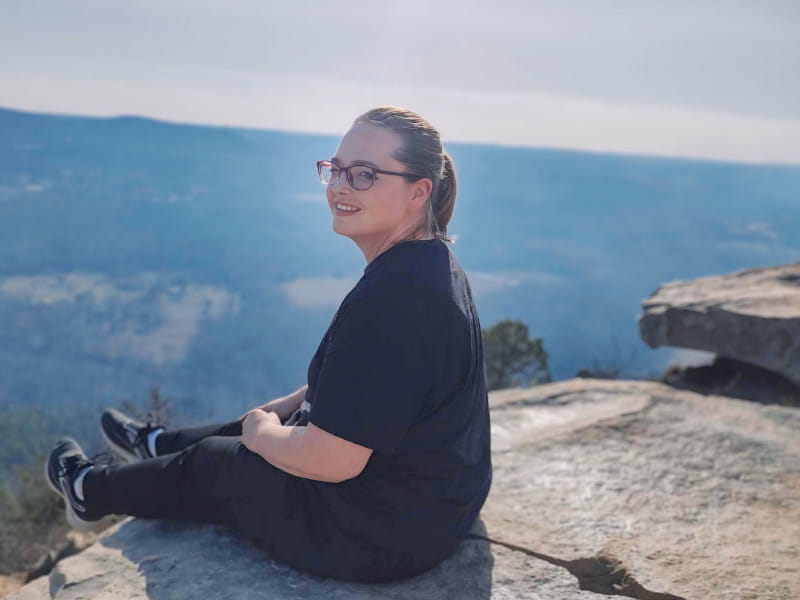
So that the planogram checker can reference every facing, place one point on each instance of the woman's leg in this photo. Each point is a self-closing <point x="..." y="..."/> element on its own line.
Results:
<point x="133" y="441"/>
<point x="210" y="481"/>
<point x="218" y="480"/>
<point x="176" y="440"/>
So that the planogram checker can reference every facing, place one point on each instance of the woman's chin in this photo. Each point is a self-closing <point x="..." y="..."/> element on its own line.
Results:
<point x="341" y="228"/>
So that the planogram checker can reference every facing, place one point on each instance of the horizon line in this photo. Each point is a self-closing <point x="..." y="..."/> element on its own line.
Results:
<point x="455" y="141"/>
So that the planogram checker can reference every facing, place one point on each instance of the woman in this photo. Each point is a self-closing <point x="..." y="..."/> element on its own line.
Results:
<point x="376" y="469"/>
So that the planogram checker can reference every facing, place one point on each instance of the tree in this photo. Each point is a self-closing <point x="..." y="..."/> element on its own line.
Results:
<point x="158" y="411"/>
<point x="31" y="517"/>
<point x="512" y="358"/>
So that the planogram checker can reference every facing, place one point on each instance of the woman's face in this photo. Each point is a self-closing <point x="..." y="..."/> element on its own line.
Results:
<point x="387" y="212"/>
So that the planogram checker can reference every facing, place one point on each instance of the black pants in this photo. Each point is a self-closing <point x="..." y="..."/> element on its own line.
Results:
<point x="195" y="477"/>
<point x="205" y="474"/>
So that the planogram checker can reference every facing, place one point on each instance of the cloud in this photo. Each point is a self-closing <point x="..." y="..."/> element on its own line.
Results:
<point x="67" y="288"/>
<point x="315" y="292"/>
<point x="762" y="229"/>
<point x="181" y="312"/>
<point x="134" y="317"/>
<point x="482" y="283"/>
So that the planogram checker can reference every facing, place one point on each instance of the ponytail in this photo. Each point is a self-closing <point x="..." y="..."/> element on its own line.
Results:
<point x="445" y="200"/>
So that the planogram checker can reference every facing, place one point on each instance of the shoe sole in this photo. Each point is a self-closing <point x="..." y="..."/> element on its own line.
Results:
<point x="118" y="450"/>
<point x="49" y="481"/>
<point x="72" y="517"/>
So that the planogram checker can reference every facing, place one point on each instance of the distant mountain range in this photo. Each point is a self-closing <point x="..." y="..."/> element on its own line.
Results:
<point x="136" y="253"/>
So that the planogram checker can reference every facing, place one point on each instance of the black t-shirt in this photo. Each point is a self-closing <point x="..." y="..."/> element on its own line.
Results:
<point x="400" y="370"/>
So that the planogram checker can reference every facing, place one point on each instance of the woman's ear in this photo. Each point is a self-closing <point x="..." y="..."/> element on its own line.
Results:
<point x="420" y="192"/>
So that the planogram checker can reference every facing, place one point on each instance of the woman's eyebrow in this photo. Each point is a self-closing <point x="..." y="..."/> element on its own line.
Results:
<point x="338" y="161"/>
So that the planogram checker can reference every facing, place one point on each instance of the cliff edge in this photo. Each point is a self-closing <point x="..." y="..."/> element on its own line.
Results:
<point x="629" y="488"/>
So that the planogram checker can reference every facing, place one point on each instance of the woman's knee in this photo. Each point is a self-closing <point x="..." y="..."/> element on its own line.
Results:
<point x="226" y="468"/>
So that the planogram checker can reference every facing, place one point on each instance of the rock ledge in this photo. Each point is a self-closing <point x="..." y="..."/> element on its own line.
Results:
<point x="628" y="488"/>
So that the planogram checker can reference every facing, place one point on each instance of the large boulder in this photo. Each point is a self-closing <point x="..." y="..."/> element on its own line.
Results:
<point x="751" y="315"/>
<point x="627" y="488"/>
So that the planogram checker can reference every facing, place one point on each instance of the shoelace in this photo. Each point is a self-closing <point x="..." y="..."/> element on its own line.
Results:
<point x="67" y="464"/>
<point x="104" y="458"/>
<point x="137" y="436"/>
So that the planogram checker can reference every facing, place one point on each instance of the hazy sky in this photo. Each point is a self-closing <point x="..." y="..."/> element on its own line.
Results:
<point x="717" y="79"/>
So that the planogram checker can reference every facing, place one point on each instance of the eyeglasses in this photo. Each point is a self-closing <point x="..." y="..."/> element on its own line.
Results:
<point x="360" y="177"/>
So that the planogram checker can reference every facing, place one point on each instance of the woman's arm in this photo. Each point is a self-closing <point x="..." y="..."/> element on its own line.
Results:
<point x="285" y="405"/>
<point x="304" y="451"/>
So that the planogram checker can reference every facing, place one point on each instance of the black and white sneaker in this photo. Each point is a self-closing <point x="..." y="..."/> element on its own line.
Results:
<point x="127" y="438"/>
<point x="65" y="463"/>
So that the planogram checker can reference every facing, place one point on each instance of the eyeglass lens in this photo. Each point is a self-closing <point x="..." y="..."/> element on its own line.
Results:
<point x="361" y="177"/>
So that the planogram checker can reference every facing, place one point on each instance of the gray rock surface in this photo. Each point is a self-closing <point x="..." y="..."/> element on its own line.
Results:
<point x="621" y="487"/>
<point x="751" y="315"/>
<point x="695" y="496"/>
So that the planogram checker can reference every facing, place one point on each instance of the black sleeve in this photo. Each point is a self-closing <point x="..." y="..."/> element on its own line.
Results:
<point x="376" y="371"/>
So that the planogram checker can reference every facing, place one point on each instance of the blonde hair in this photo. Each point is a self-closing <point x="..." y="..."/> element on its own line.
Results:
<point x="422" y="152"/>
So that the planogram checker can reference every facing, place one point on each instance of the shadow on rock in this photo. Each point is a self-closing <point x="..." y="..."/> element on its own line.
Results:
<point x="168" y="559"/>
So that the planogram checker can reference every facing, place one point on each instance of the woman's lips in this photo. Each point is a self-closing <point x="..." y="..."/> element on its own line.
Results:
<point x="346" y="213"/>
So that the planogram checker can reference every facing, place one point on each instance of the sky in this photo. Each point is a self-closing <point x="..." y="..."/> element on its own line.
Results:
<point x="713" y="79"/>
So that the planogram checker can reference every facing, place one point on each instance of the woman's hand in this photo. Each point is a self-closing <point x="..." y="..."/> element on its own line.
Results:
<point x="285" y="405"/>
<point x="253" y="420"/>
